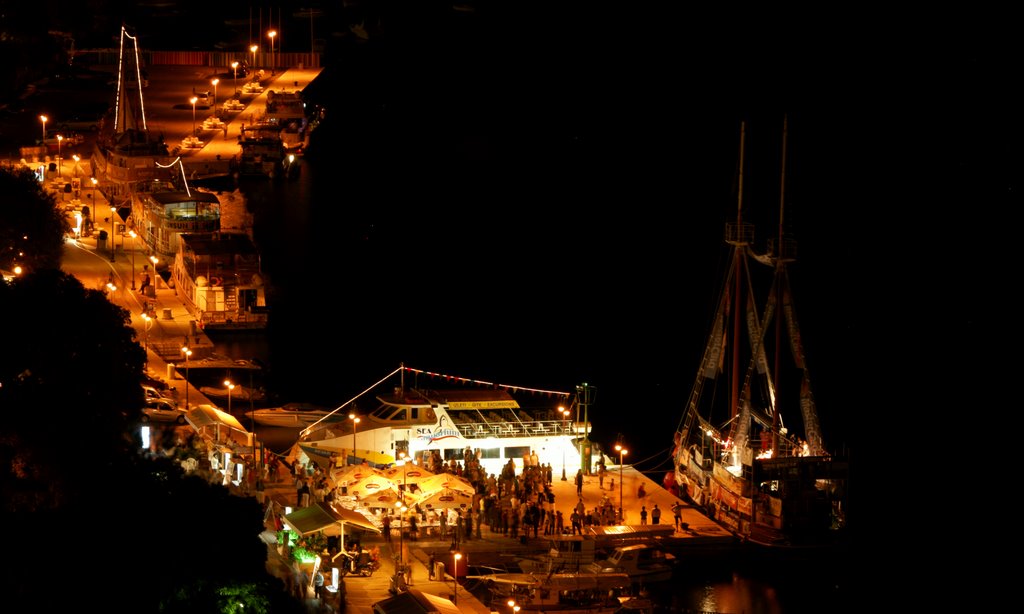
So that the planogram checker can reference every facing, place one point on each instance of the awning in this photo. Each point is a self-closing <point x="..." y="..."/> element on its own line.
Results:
<point x="326" y="517"/>
<point x="415" y="601"/>
<point x="201" y="416"/>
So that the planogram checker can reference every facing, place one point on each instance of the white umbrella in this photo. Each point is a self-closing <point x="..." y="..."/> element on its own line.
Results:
<point x="446" y="480"/>
<point x="352" y="473"/>
<point x="369" y="486"/>
<point x="407" y="474"/>
<point x="446" y="498"/>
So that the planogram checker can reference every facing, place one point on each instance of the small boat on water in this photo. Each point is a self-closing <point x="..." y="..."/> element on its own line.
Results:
<point x="238" y="393"/>
<point x="577" y="552"/>
<point x="566" y="592"/>
<point x="643" y="563"/>
<point x="293" y="415"/>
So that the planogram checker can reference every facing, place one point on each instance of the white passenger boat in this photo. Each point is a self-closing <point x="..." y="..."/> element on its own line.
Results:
<point x="295" y="415"/>
<point x="479" y="418"/>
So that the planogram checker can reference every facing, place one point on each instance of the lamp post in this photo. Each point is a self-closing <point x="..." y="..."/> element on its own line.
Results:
<point x="194" y="100"/>
<point x="272" y="34"/>
<point x="44" y="119"/>
<point x="113" y="212"/>
<point x="60" y="138"/>
<point x="214" y="84"/>
<point x="131" y="233"/>
<point x="230" y="387"/>
<point x="565" y="429"/>
<point x="234" y="68"/>
<point x="156" y="276"/>
<point x="253" y="49"/>
<point x="148" y="324"/>
<point x="187" y="352"/>
<point x="355" y="420"/>
<point x="455" y="577"/>
<point x="400" y="506"/>
<point x="622" y="452"/>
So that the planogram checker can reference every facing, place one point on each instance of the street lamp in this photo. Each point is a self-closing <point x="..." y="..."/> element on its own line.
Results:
<point x="234" y="68"/>
<point x="194" y="100"/>
<point x="400" y="506"/>
<point x="253" y="49"/>
<point x="131" y="233"/>
<point x="355" y="421"/>
<point x="187" y="352"/>
<point x="113" y="212"/>
<point x="622" y="452"/>
<point x="214" y="84"/>
<point x="565" y="429"/>
<point x="44" y="119"/>
<point x="156" y="276"/>
<point x="59" y="165"/>
<point x="230" y="387"/>
<point x="455" y="577"/>
<point x="148" y="324"/>
<point x="272" y="34"/>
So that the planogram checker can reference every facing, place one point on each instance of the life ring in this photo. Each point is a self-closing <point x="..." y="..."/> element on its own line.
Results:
<point x="216" y="281"/>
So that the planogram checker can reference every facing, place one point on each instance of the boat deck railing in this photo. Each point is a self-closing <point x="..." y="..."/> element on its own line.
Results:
<point x="534" y="428"/>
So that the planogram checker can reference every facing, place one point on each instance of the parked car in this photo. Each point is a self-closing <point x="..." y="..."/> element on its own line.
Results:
<point x="83" y="123"/>
<point x="162" y="410"/>
<point x="165" y="389"/>
<point x="154" y="393"/>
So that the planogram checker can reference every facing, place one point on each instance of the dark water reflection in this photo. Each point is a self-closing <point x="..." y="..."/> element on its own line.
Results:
<point x="334" y="329"/>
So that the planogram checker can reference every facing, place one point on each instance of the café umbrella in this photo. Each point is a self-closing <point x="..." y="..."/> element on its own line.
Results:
<point x="445" y="498"/>
<point x="370" y="485"/>
<point x="351" y="473"/>
<point x="446" y="480"/>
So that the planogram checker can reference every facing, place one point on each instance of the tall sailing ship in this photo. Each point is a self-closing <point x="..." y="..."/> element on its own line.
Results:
<point x="770" y="481"/>
<point x="128" y="156"/>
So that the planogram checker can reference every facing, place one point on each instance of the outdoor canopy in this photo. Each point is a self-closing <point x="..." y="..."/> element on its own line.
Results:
<point x="328" y="518"/>
<point x="207" y="415"/>
<point x="415" y="601"/>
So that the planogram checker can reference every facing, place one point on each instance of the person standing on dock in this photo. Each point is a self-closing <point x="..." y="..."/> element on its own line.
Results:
<point x="579" y="482"/>
<point x="677" y="513"/>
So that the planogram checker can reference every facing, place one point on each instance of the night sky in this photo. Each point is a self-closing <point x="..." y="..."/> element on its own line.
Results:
<point x="536" y="195"/>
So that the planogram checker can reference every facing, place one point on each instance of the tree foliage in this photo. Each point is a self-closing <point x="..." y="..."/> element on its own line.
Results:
<point x="32" y="227"/>
<point x="92" y="520"/>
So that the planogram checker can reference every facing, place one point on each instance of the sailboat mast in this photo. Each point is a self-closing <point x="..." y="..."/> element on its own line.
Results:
<point x="778" y="289"/>
<point x="734" y="389"/>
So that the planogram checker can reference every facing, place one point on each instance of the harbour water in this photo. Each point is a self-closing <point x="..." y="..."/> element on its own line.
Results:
<point x="322" y="347"/>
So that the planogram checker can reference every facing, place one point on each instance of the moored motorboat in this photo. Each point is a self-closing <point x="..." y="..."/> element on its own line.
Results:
<point x="566" y="592"/>
<point x="293" y="415"/>
<point x="577" y="552"/>
<point x="643" y="563"/>
<point x="236" y="393"/>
